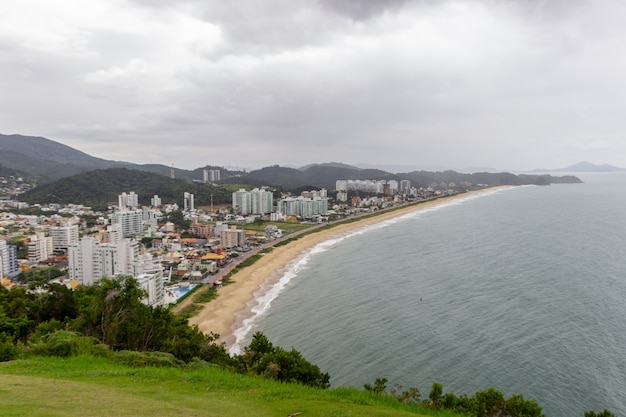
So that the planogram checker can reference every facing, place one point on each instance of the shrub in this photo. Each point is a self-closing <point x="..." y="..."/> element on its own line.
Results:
<point x="8" y="351"/>
<point x="141" y="359"/>
<point x="65" y="343"/>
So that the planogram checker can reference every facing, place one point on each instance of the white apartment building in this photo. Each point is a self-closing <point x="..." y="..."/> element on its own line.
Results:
<point x="40" y="247"/>
<point x="257" y="201"/>
<point x="372" y="186"/>
<point x="219" y="228"/>
<point x="152" y="284"/>
<point x="64" y="235"/>
<point x="210" y="175"/>
<point x="149" y="275"/>
<point x="8" y="260"/>
<point x="188" y="203"/>
<point x="89" y="261"/>
<point x="155" y="201"/>
<point x="130" y="201"/>
<point x="405" y="187"/>
<point x="303" y="207"/>
<point x="150" y="219"/>
<point x="131" y="221"/>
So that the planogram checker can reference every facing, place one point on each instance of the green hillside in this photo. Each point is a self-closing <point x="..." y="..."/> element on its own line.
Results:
<point x="45" y="160"/>
<point x="96" y="188"/>
<point x="92" y="386"/>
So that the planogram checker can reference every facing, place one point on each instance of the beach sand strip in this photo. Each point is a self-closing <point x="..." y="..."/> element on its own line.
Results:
<point x="235" y="300"/>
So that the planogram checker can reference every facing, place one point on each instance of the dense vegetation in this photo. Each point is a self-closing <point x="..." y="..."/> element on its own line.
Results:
<point x="110" y="317"/>
<point x="326" y="176"/>
<point x="109" y="320"/>
<point x="101" y="187"/>
<point x="71" y="176"/>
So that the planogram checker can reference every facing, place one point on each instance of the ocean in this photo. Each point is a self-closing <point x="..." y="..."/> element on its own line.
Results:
<point x="522" y="289"/>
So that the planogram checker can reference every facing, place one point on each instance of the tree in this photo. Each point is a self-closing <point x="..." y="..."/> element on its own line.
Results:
<point x="490" y="402"/>
<point x="379" y="387"/>
<point x="178" y="218"/>
<point x="261" y="357"/>
<point x="604" y="413"/>
<point x="435" y="394"/>
<point x="517" y="406"/>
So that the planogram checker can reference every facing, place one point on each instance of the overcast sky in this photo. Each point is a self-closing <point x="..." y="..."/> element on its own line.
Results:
<point x="508" y="84"/>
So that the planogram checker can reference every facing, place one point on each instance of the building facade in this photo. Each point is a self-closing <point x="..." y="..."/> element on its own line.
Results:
<point x="40" y="247"/>
<point x="64" y="235"/>
<point x="129" y="201"/>
<point x="232" y="238"/>
<point x="257" y="201"/>
<point x="8" y="260"/>
<point x="131" y="222"/>
<point x="188" y="202"/>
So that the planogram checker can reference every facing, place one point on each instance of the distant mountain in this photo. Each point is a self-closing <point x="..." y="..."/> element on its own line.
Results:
<point x="585" y="166"/>
<point x="44" y="160"/>
<point x="314" y="175"/>
<point x="46" y="149"/>
<point x="426" y="178"/>
<point x="323" y="176"/>
<point x="404" y="168"/>
<point x="329" y="165"/>
<point x="66" y="175"/>
<point x="99" y="188"/>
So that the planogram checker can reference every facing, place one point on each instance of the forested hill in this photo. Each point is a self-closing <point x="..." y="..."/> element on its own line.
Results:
<point x="326" y="175"/>
<point x="43" y="161"/>
<point x="318" y="175"/>
<point x="99" y="187"/>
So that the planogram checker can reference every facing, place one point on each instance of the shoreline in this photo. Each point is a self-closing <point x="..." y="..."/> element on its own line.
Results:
<point x="237" y="300"/>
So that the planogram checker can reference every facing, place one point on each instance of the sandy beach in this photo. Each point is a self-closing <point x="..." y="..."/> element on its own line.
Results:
<point x="225" y="314"/>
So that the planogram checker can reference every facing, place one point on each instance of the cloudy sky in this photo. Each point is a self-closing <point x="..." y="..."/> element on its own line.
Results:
<point x="508" y="84"/>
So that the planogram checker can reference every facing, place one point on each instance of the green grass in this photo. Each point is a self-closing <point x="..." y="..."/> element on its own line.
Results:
<point x="89" y="386"/>
<point x="292" y="227"/>
<point x="201" y="294"/>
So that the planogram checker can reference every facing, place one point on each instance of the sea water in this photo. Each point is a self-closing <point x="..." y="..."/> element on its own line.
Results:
<point x="522" y="289"/>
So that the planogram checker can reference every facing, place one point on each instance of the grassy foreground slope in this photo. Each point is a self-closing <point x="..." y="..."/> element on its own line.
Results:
<point x="93" y="386"/>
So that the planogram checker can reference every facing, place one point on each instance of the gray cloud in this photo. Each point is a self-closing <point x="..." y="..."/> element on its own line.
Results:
<point x="513" y="84"/>
<point x="362" y="9"/>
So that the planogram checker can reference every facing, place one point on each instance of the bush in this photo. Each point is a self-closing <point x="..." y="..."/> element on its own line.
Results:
<point x="141" y="359"/>
<point x="64" y="344"/>
<point x="8" y="351"/>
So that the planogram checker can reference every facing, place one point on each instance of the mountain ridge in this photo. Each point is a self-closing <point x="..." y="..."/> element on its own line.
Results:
<point x="585" y="166"/>
<point x="71" y="176"/>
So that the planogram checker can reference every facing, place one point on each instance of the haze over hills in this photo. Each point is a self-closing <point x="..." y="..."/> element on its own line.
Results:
<point x="585" y="166"/>
<point x="44" y="160"/>
<point x="66" y="175"/>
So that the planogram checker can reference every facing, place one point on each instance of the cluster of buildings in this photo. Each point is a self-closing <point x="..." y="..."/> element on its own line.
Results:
<point x="11" y="185"/>
<point x="112" y="248"/>
<point x="308" y="205"/>
<point x="90" y="259"/>
<point x="211" y="175"/>
<point x="386" y="187"/>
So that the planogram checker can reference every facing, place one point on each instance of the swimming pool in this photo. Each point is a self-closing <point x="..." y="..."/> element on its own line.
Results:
<point x="179" y="292"/>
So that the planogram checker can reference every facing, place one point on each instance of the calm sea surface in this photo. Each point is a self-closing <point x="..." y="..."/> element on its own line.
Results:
<point x="522" y="289"/>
